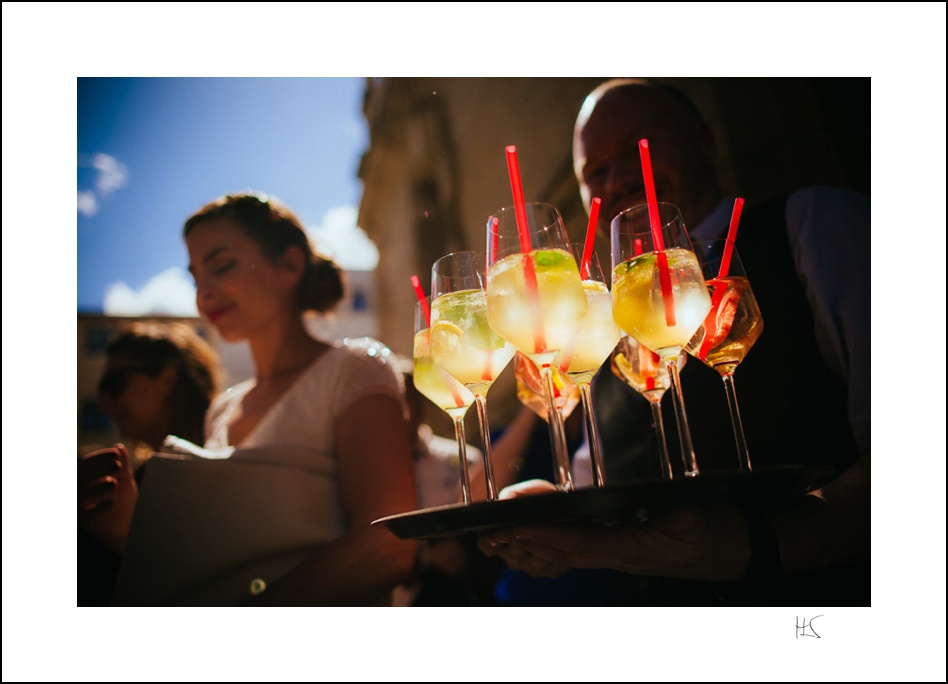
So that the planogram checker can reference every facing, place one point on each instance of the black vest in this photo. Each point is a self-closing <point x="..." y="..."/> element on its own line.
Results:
<point x="793" y="409"/>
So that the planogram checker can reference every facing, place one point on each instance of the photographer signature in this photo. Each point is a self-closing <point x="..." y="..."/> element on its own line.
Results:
<point x="804" y="625"/>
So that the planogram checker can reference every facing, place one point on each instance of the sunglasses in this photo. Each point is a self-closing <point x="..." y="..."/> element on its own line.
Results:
<point x="114" y="383"/>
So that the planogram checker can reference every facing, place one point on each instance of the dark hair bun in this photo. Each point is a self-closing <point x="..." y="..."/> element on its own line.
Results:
<point x="323" y="285"/>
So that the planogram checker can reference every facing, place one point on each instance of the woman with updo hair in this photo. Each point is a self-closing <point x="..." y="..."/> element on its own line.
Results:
<point x="297" y="461"/>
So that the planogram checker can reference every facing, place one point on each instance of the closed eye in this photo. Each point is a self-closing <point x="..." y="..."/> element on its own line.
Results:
<point x="221" y="269"/>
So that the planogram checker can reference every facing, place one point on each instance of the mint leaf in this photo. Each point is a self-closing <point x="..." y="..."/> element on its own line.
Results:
<point x="549" y="258"/>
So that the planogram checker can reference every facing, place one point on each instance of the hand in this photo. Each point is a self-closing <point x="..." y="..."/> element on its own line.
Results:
<point x="707" y="542"/>
<point x="527" y="488"/>
<point x="516" y="555"/>
<point x="107" y="494"/>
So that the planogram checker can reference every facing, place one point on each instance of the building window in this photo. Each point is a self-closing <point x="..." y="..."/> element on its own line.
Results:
<point x="359" y="301"/>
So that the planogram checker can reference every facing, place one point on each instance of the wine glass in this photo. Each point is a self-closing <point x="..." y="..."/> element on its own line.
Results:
<point x="462" y="342"/>
<point x="588" y="347"/>
<point x="441" y="388"/>
<point x="535" y="298"/>
<point x="659" y="296"/>
<point x="731" y="327"/>
<point x="531" y="393"/>
<point x="642" y="370"/>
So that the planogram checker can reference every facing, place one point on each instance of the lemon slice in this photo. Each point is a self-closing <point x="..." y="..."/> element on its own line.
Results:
<point x="445" y="339"/>
<point x="422" y="344"/>
<point x="595" y="286"/>
<point x="721" y="317"/>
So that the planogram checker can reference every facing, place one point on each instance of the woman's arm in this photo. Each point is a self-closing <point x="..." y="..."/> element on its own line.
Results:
<point x="376" y="479"/>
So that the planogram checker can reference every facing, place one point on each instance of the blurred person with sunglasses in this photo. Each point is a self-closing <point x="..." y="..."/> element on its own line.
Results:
<point x="158" y="381"/>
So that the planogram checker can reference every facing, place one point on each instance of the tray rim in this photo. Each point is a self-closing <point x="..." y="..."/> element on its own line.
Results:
<point x="630" y="500"/>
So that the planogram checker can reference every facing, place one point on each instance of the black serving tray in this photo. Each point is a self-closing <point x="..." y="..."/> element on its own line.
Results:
<point x="629" y="501"/>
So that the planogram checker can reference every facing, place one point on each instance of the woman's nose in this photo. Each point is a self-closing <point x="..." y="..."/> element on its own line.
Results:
<point x="203" y="289"/>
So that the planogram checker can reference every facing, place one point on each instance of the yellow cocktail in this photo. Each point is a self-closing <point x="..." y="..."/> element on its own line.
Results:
<point x="435" y="383"/>
<point x="594" y="340"/>
<point x="731" y="327"/>
<point x="659" y="296"/>
<point x="463" y="343"/>
<point x="535" y="298"/>
<point x="536" y="301"/>
<point x="638" y="300"/>
<point x="442" y="389"/>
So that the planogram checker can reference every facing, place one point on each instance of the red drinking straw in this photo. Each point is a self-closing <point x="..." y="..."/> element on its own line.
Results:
<point x="650" y="197"/>
<point x="416" y="283"/>
<point x="488" y="372"/>
<point x="731" y="237"/>
<point x="566" y="357"/>
<point x="663" y="276"/>
<point x="494" y="239"/>
<point x="529" y="271"/>
<point x="719" y="289"/>
<point x="710" y="327"/>
<point x="590" y="238"/>
<point x="513" y="168"/>
<point x="649" y="363"/>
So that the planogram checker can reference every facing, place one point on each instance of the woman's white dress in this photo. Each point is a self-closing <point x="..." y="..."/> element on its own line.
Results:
<point x="214" y="525"/>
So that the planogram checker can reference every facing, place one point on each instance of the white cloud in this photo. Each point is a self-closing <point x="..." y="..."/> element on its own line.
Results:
<point x="170" y="293"/>
<point x="112" y="175"/>
<point x="86" y="203"/>
<point x="343" y="240"/>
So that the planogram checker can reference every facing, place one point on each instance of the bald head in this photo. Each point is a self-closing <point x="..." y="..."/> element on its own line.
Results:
<point x="612" y="120"/>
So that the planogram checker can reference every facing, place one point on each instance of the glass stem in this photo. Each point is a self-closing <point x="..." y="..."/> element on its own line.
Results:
<point x="743" y="455"/>
<point x="462" y="456"/>
<point x="561" y="467"/>
<point x="660" y="436"/>
<point x="684" y="432"/>
<point x="485" y="440"/>
<point x="592" y="434"/>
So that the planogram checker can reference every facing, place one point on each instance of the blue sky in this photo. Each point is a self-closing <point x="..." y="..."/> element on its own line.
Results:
<point x="152" y="150"/>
